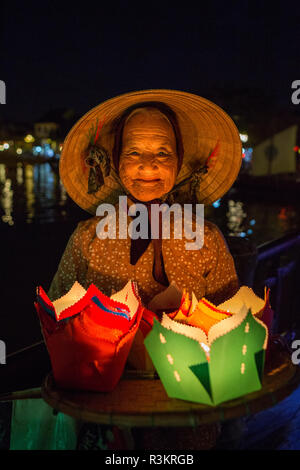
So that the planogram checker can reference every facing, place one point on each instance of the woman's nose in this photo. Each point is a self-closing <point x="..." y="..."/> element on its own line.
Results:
<point x="148" y="162"/>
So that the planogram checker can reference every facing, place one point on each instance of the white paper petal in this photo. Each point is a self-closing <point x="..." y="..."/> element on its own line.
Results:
<point x="244" y="295"/>
<point x="170" y="298"/>
<point x="192" y="332"/>
<point x="128" y="296"/>
<point x="194" y="303"/>
<point x="70" y="298"/>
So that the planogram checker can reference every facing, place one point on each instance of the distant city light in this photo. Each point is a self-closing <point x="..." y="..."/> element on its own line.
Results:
<point x="249" y="231"/>
<point x="296" y="149"/>
<point x="248" y="153"/>
<point x="244" y="137"/>
<point x="217" y="203"/>
<point x="6" y="145"/>
<point x="242" y="234"/>
<point x="48" y="150"/>
<point x="1" y="148"/>
<point x="29" y="138"/>
<point x="252" y="222"/>
<point x="19" y="151"/>
<point x="38" y="148"/>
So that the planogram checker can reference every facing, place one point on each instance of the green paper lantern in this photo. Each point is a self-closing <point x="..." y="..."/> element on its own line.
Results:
<point x="228" y="365"/>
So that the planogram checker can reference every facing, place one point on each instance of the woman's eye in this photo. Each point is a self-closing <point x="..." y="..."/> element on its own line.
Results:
<point x="134" y="153"/>
<point x="162" y="154"/>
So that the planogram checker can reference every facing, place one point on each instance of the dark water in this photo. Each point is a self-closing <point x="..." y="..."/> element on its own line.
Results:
<point x="33" y="194"/>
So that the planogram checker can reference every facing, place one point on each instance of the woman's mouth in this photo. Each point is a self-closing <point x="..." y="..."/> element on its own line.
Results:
<point x="148" y="181"/>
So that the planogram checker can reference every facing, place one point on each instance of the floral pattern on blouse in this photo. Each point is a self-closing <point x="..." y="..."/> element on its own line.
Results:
<point x="209" y="272"/>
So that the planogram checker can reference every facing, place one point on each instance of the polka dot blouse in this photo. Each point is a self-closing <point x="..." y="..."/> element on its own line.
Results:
<point x="208" y="272"/>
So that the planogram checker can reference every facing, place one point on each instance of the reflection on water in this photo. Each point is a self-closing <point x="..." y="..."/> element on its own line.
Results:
<point x="34" y="193"/>
<point x="19" y="174"/>
<point x="6" y="196"/>
<point x="235" y="216"/>
<point x="260" y="221"/>
<point x="29" y="191"/>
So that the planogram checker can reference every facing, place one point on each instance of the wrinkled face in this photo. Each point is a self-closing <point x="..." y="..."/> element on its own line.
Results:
<point x="148" y="161"/>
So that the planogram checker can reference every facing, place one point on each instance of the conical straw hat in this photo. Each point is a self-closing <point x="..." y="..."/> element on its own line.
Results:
<point x="203" y="125"/>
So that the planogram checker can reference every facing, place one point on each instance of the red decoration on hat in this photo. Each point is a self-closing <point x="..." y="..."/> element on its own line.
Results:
<point x="210" y="162"/>
<point x="100" y="125"/>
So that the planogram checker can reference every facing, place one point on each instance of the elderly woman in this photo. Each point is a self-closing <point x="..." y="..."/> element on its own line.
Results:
<point x="153" y="146"/>
<point x="147" y="151"/>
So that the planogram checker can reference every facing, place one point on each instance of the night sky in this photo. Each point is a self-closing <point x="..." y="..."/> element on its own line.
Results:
<point x="55" y="54"/>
